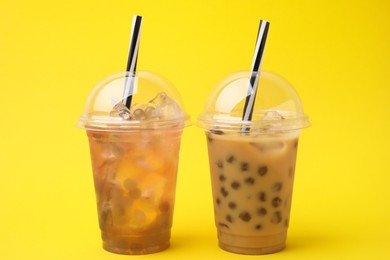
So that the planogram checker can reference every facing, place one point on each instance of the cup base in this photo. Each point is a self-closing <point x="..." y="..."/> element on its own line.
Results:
<point x="252" y="245"/>
<point x="136" y="245"/>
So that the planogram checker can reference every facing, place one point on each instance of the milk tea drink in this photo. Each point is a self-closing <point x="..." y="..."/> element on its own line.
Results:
<point x="252" y="181"/>
<point x="134" y="154"/>
<point x="252" y="164"/>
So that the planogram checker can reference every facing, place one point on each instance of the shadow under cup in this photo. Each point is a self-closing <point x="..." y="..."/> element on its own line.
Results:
<point x="135" y="182"/>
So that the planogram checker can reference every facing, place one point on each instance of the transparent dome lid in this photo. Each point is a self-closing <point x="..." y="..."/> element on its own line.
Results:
<point x="277" y="106"/>
<point x="155" y="104"/>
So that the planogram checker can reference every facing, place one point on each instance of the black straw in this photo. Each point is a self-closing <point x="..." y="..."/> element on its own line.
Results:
<point x="132" y="60"/>
<point x="255" y="72"/>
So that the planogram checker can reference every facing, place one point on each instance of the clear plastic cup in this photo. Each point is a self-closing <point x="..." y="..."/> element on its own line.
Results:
<point x="134" y="154"/>
<point x="252" y="163"/>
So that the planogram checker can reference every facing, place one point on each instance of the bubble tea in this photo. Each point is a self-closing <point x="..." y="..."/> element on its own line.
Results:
<point x="252" y="163"/>
<point x="134" y="154"/>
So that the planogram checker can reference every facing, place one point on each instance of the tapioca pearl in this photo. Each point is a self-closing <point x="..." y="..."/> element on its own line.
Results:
<point x="258" y="227"/>
<point x="244" y="166"/>
<point x="218" y="201"/>
<point x="220" y="164"/>
<point x="276" y="202"/>
<point x="231" y="159"/>
<point x="229" y="218"/>
<point x="224" y="192"/>
<point x="262" y="170"/>
<point x="235" y="185"/>
<point x="249" y="181"/>
<point x="277" y="186"/>
<point x="276" y="217"/>
<point x="222" y="178"/>
<point x="262" y="196"/>
<point x="245" y="216"/>
<point x="261" y="212"/>
<point x="232" y="205"/>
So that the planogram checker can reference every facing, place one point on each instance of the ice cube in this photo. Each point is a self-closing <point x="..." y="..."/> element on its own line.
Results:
<point x="165" y="107"/>
<point x="142" y="214"/>
<point x="137" y="106"/>
<point x="111" y="151"/>
<point x="138" y="111"/>
<point x="139" y="114"/>
<point x="139" y="216"/>
<point x="133" y="191"/>
<point x="269" y="147"/>
<point x="158" y="100"/>
<point x="106" y="216"/>
<point x="125" y="114"/>
<point x="272" y="115"/>
<point x="152" y="187"/>
<point x="120" y="110"/>
<point x="151" y="113"/>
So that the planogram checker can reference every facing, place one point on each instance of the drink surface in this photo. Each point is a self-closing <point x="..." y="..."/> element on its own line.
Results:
<point x="135" y="178"/>
<point x="252" y="181"/>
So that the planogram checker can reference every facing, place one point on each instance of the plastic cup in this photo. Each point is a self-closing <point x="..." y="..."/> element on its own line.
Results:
<point x="134" y="156"/>
<point x="252" y="163"/>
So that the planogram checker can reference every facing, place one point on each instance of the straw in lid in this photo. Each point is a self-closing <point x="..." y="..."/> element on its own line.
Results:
<point x="151" y="94"/>
<point x="235" y="107"/>
<point x="277" y="108"/>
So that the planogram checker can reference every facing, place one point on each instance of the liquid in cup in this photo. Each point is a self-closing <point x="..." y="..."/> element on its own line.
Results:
<point x="252" y="171"/>
<point x="134" y="154"/>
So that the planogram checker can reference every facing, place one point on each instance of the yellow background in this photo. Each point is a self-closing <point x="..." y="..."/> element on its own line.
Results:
<point x="335" y="53"/>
